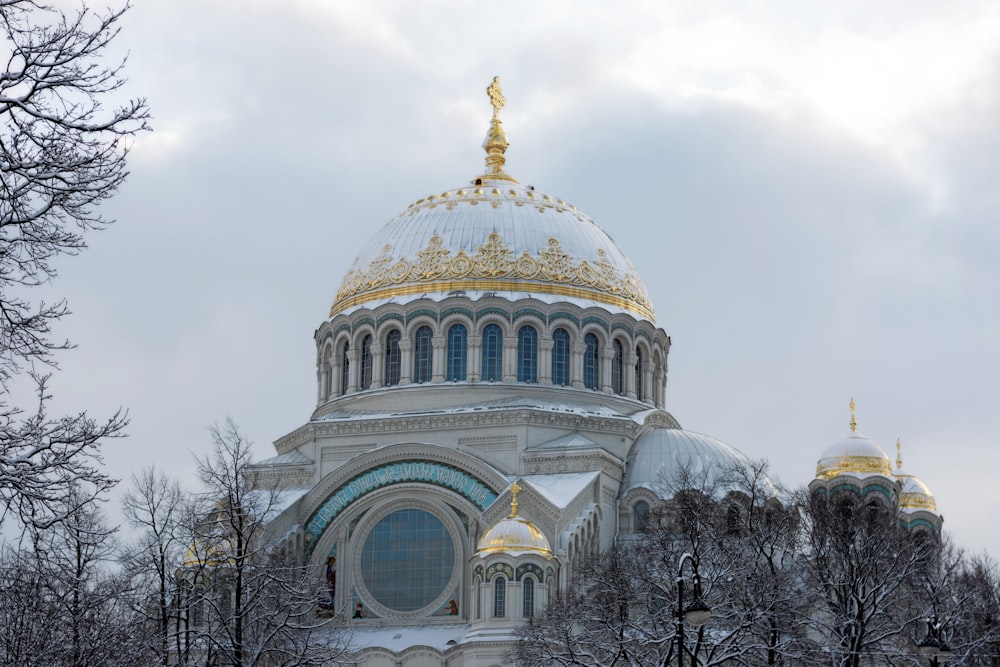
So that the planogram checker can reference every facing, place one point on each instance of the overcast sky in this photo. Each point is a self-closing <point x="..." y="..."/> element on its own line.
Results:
<point x="808" y="190"/>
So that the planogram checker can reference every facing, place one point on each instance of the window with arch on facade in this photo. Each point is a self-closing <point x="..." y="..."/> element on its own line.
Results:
<point x="528" y="597"/>
<point x="640" y="516"/>
<point x="500" y="597"/>
<point x="393" y="359"/>
<point x="458" y="350"/>
<point x="527" y="354"/>
<point x="560" y="357"/>
<point x="479" y="598"/>
<point x="492" y="366"/>
<point x="345" y="368"/>
<point x="423" y="355"/>
<point x="617" y="368"/>
<point x="366" y="363"/>
<point x="591" y="362"/>
<point x="640" y="370"/>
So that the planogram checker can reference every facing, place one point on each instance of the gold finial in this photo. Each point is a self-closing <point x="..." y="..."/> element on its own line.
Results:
<point x="515" y="489"/>
<point x="854" y="422"/>
<point x="496" y="142"/>
<point x="899" y="454"/>
<point x="496" y="97"/>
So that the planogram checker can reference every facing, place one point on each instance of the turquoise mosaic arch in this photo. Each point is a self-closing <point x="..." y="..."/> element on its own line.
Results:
<point x="448" y="477"/>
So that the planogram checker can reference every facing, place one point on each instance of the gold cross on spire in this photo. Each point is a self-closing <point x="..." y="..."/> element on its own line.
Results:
<point x="515" y="489"/>
<point x="899" y="454"/>
<point x="854" y="422"/>
<point x="496" y="96"/>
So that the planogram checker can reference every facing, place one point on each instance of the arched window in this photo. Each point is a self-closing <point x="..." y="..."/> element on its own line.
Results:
<point x="458" y="344"/>
<point x="327" y="373"/>
<point x="527" y="354"/>
<point x="500" y="596"/>
<point x="392" y="358"/>
<point x="560" y="357"/>
<point x="617" y="369"/>
<point x="640" y="516"/>
<point x="528" y="597"/>
<point x="423" y="355"/>
<point x="492" y="353"/>
<point x="591" y="362"/>
<point x="640" y="370"/>
<point x="366" y="362"/>
<point x="345" y="368"/>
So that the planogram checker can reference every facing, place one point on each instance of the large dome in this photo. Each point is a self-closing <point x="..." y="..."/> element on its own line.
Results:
<point x="494" y="236"/>
<point x="665" y="460"/>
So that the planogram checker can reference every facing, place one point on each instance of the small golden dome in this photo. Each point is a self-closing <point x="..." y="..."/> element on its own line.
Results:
<point x="914" y="494"/>
<point x="854" y="454"/>
<point x="514" y="534"/>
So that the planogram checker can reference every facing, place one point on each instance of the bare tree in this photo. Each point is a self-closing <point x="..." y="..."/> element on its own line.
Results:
<point x="155" y="507"/>
<point x="860" y="574"/>
<point x="255" y="599"/>
<point x="60" y="602"/>
<point x="62" y="152"/>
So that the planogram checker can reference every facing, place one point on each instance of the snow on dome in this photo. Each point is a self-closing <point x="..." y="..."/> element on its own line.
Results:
<point x="662" y="455"/>
<point x="854" y="454"/>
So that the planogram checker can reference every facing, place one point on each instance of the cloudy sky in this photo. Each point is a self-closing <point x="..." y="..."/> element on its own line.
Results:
<point x="809" y="191"/>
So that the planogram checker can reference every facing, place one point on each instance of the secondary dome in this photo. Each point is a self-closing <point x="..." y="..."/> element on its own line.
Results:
<point x="914" y="495"/>
<point x="493" y="236"/>
<point x="666" y="459"/>
<point x="514" y="534"/>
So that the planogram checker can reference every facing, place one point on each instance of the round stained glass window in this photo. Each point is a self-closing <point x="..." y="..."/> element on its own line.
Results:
<point x="407" y="560"/>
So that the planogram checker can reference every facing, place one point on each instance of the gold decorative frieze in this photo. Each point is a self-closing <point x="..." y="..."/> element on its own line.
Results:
<point x="861" y="465"/>
<point x="494" y="267"/>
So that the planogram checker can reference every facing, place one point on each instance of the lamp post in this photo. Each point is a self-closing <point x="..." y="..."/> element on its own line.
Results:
<point x="696" y="613"/>
<point x="933" y="645"/>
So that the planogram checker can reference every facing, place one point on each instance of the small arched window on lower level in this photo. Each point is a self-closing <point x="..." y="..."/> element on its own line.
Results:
<point x="640" y="516"/>
<point x="528" y="597"/>
<point x="500" y="597"/>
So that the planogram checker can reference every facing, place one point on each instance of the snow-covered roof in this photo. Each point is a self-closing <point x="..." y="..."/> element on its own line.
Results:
<point x="292" y="458"/>
<point x="397" y="639"/>
<point x="588" y="409"/>
<point x="561" y="489"/>
<point x="573" y="440"/>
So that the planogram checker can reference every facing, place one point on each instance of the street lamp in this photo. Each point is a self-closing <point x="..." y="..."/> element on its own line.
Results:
<point x="933" y="645"/>
<point x="696" y="613"/>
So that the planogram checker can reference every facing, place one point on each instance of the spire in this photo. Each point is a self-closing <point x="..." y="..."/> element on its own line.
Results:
<point x="899" y="454"/>
<point x="515" y="489"/>
<point x="496" y="142"/>
<point x="854" y="421"/>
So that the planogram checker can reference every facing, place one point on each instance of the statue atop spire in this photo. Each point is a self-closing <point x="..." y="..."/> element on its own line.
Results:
<point x="496" y="142"/>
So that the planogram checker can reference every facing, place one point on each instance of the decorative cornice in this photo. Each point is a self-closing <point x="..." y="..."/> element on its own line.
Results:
<point x="493" y="267"/>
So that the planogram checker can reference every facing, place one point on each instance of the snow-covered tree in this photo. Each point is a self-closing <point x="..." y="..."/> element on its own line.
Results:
<point x="62" y="152"/>
<point x="250" y="599"/>
<point x="861" y="573"/>
<point x="60" y="603"/>
<point x="155" y="508"/>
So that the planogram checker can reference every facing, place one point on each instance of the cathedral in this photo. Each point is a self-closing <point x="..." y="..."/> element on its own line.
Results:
<point x="491" y="409"/>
